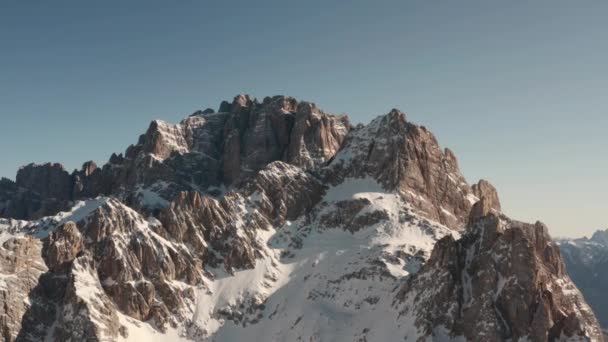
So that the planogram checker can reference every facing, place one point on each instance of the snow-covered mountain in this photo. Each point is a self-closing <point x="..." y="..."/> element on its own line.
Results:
<point x="275" y="221"/>
<point x="587" y="262"/>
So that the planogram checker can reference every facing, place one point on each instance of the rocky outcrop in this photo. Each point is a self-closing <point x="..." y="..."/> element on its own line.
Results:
<point x="407" y="158"/>
<point x="219" y="231"/>
<point x="350" y="215"/>
<point x="112" y="260"/>
<point x="279" y="128"/>
<point x="87" y="182"/>
<point x="315" y="136"/>
<point x="284" y="192"/>
<point x="213" y="149"/>
<point x="62" y="246"/>
<point x="20" y="267"/>
<point x="480" y="209"/>
<point x="503" y="280"/>
<point x="136" y="266"/>
<point x="202" y="153"/>
<point x="39" y="190"/>
<point x="19" y="202"/>
<point x="48" y="180"/>
<point x="483" y="189"/>
<point x="68" y="304"/>
<point x="85" y="312"/>
<point x="147" y="269"/>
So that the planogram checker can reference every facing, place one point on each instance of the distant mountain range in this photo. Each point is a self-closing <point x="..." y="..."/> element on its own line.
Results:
<point x="587" y="263"/>
<point x="273" y="220"/>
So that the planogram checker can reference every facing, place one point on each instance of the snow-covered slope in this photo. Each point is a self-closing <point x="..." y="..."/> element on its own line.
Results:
<point x="317" y="279"/>
<point x="320" y="282"/>
<point x="41" y="228"/>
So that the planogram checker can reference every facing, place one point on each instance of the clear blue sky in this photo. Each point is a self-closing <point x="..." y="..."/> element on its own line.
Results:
<point x="518" y="89"/>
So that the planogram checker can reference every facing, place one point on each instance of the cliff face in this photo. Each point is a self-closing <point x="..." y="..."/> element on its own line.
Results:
<point x="407" y="158"/>
<point x="276" y="221"/>
<point x="205" y="152"/>
<point x="502" y="280"/>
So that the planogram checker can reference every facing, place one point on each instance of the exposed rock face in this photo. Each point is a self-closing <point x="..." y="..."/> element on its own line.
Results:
<point x="205" y="151"/>
<point x="49" y="180"/>
<point x="348" y="215"/>
<point x="407" y="158"/>
<point x="275" y="221"/>
<point x="39" y="190"/>
<point x="216" y="230"/>
<point x="113" y="260"/>
<point x="284" y="192"/>
<point x="280" y="128"/>
<point x="86" y="312"/>
<point x="483" y="189"/>
<point x="587" y="261"/>
<point x="315" y="136"/>
<point x="20" y="267"/>
<point x="17" y="201"/>
<point x="223" y="231"/>
<point x="482" y="208"/>
<point x="503" y="280"/>
<point x="147" y="269"/>
<point x="235" y="143"/>
<point x="136" y="266"/>
<point x="62" y="246"/>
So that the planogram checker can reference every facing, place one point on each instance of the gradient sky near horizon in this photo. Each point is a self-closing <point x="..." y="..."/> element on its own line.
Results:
<point x="518" y="89"/>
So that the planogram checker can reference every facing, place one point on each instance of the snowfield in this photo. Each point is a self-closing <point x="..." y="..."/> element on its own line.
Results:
<point x="334" y="286"/>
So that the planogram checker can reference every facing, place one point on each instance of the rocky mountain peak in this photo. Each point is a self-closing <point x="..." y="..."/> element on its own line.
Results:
<point x="204" y="152"/>
<point x="601" y="236"/>
<point x="49" y="180"/>
<point x="88" y="168"/>
<point x="407" y="158"/>
<point x="62" y="246"/>
<point x="162" y="139"/>
<point x="274" y="214"/>
<point x="488" y="201"/>
<point x="287" y="104"/>
<point x="480" y="209"/>
<point x="505" y="280"/>
<point x="483" y="189"/>
<point x="396" y="120"/>
<point x="241" y="102"/>
<point x="203" y="112"/>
